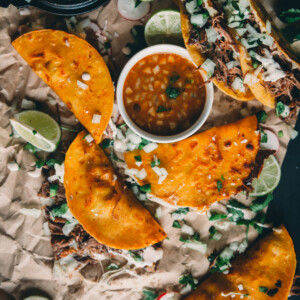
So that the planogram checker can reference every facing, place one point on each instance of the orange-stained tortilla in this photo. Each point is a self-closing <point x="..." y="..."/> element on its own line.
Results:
<point x="60" y="59"/>
<point x="200" y="57"/>
<point x="207" y="167"/>
<point x="101" y="202"/>
<point x="147" y="93"/>
<point x="268" y="261"/>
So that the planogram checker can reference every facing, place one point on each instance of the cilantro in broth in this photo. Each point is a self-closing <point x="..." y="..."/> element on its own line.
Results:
<point x="162" y="109"/>
<point x="172" y="92"/>
<point x="174" y="78"/>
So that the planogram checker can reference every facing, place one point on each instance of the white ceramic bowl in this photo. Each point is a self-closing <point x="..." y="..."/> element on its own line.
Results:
<point x="163" y="48"/>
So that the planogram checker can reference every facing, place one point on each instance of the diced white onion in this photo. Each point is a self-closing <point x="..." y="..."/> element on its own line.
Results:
<point x="185" y="290"/>
<point x="197" y="246"/>
<point x="241" y="31"/>
<point x="150" y="147"/>
<point x="285" y="112"/>
<point x="192" y="7"/>
<point x="82" y="85"/>
<point x="138" y="163"/>
<point x="162" y="173"/>
<point x="158" y="212"/>
<point x="28" y="104"/>
<point x="292" y="133"/>
<point x="198" y="20"/>
<point x="234" y="24"/>
<point x="68" y="227"/>
<point x="135" y="139"/>
<point x="268" y="27"/>
<point x="89" y="138"/>
<point x="46" y="229"/>
<point x="85" y="76"/>
<point x="187" y="229"/>
<point x="33" y="212"/>
<point x="211" y="34"/>
<point x="209" y="67"/>
<point x="96" y="119"/>
<point x="238" y="85"/>
<point x="230" y="65"/>
<point x="142" y="174"/>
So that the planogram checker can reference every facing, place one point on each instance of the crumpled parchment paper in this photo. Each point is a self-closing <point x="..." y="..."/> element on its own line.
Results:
<point x="26" y="257"/>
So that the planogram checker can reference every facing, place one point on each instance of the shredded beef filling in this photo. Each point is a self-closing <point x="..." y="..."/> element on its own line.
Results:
<point x="63" y="245"/>
<point x="220" y="52"/>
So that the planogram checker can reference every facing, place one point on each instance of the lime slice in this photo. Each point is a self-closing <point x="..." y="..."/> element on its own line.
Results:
<point x="268" y="178"/>
<point x="164" y="27"/>
<point x="37" y="128"/>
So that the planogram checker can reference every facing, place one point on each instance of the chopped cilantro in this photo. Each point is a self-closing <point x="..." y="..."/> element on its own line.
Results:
<point x="34" y="132"/>
<point x="259" y="219"/>
<point x="106" y="143"/>
<point x="291" y="15"/>
<point x="135" y="256"/>
<point x="219" y="185"/>
<point x="174" y="78"/>
<point x="214" y="234"/>
<point x="143" y="143"/>
<point x="187" y="279"/>
<point x="116" y="158"/>
<point x="39" y="163"/>
<point x="216" y="216"/>
<point x="155" y="162"/>
<point x="146" y="188"/>
<point x="181" y="210"/>
<point x="176" y="224"/>
<point x="272" y="292"/>
<point x="279" y="108"/>
<point x="263" y="289"/>
<point x="261" y="116"/>
<point x="222" y="177"/>
<point x="172" y="92"/>
<point x="68" y="129"/>
<point x="12" y="134"/>
<point x="212" y="257"/>
<point x="280" y="133"/>
<point x="121" y="125"/>
<point x="112" y="266"/>
<point x="107" y="45"/>
<point x="255" y="62"/>
<point x="138" y="158"/>
<point x="263" y="136"/>
<point x="260" y="203"/>
<point x="161" y="109"/>
<point x="53" y="190"/>
<point x="52" y="161"/>
<point x="31" y="148"/>
<point x="150" y="295"/>
<point x="278" y="283"/>
<point x="196" y="236"/>
<point x="59" y="210"/>
<point x="199" y="2"/>
<point x="237" y="204"/>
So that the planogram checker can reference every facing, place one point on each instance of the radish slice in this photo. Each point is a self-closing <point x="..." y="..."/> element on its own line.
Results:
<point x="128" y="10"/>
<point x="169" y="296"/>
<point x="272" y="142"/>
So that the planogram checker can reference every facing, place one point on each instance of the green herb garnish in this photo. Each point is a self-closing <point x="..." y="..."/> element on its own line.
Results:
<point x="146" y="188"/>
<point x="161" y="109"/>
<point x="31" y="148"/>
<point x="116" y="158"/>
<point x="174" y="78"/>
<point x="280" y="133"/>
<point x="176" y="224"/>
<point x="278" y="283"/>
<point x="214" y="234"/>
<point x="263" y="289"/>
<point x="34" y="132"/>
<point x="39" y="163"/>
<point x="187" y="279"/>
<point x="155" y="163"/>
<point x="106" y="143"/>
<point x="112" y="266"/>
<point x="181" y="210"/>
<point x="172" y="92"/>
<point x="53" y="190"/>
<point x="263" y="136"/>
<point x="121" y="125"/>
<point x="52" y="161"/>
<point x="137" y="3"/>
<point x="219" y="185"/>
<point x="216" y="216"/>
<point x="150" y="295"/>
<point x="135" y="256"/>
<point x="59" y="210"/>
<point x="260" y="203"/>
<point x="272" y="292"/>
<point x="199" y="2"/>
<point x="138" y="158"/>
<point x="143" y="143"/>
<point x="261" y="116"/>
<point x="279" y="108"/>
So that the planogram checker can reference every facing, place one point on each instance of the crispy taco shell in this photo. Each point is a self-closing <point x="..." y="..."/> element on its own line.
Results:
<point x="103" y="205"/>
<point x="60" y="59"/>
<point x="207" y="167"/>
<point x="269" y="263"/>
<point x="199" y="58"/>
<point x="257" y="88"/>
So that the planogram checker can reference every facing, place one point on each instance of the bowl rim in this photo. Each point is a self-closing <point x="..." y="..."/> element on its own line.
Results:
<point x="162" y="48"/>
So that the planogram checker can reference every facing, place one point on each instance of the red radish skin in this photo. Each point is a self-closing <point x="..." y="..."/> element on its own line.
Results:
<point x="127" y="10"/>
<point x="168" y="296"/>
<point x="273" y="141"/>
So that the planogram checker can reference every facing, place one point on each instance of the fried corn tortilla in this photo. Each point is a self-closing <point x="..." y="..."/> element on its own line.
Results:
<point x="199" y="55"/>
<point x="207" y="167"/>
<point x="266" y="269"/>
<point x="262" y="82"/>
<point x="75" y="71"/>
<point x="103" y="205"/>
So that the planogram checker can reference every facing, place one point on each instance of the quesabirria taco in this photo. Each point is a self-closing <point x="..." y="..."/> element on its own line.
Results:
<point x="271" y="69"/>
<point x="211" y="45"/>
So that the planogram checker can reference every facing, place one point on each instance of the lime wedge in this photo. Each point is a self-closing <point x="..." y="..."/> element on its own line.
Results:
<point x="37" y="128"/>
<point x="268" y="178"/>
<point x="164" y="27"/>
